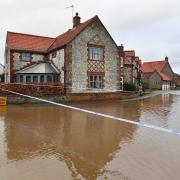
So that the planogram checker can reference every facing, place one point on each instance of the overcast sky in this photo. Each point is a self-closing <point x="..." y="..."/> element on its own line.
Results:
<point x="151" y="27"/>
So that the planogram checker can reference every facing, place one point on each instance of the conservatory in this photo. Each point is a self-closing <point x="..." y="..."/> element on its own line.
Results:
<point x="38" y="73"/>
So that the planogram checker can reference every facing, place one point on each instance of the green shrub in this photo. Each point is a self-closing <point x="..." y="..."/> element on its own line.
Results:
<point x="129" y="87"/>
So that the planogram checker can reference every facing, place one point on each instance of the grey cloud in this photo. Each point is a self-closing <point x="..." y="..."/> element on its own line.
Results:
<point x="149" y="27"/>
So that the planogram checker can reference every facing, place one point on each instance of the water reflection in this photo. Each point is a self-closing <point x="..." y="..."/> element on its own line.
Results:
<point x="85" y="142"/>
<point x="156" y="110"/>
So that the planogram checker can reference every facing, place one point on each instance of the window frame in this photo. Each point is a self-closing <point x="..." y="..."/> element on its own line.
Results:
<point x="95" y="81"/>
<point x="96" y="56"/>
<point x="24" y="56"/>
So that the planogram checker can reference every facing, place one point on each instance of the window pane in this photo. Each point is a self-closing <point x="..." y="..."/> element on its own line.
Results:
<point x="91" y="84"/>
<point x="26" y="56"/>
<point x="42" y="78"/>
<point x="56" y="78"/>
<point x="91" y="78"/>
<point x="35" y="79"/>
<point x="21" y="78"/>
<point x="95" y="53"/>
<point x="90" y="53"/>
<point x="49" y="78"/>
<point x="28" y="79"/>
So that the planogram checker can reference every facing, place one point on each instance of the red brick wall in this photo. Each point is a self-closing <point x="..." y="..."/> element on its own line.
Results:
<point x="34" y="90"/>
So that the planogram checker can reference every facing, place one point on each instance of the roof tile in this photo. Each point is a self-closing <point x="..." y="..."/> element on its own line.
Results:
<point x="148" y="67"/>
<point x="28" y="42"/>
<point x="42" y="44"/>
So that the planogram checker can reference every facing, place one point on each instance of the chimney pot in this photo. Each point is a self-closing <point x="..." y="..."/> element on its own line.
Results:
<point x="166" y="58"/>
<point x="76" y="20"/>
<point x="121" y="47"/>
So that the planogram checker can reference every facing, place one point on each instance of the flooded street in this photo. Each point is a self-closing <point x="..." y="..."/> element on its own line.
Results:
<point x="46" y="142"/>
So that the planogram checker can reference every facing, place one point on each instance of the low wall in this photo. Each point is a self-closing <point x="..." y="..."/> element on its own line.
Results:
<point x="14" y="99"/>
<point x="101" y="96"/>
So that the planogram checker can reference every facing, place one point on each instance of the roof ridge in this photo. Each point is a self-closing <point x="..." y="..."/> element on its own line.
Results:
<point x="72" y="30"/>
<point x="30" y="35"/>
<point x="76" y="27"/>
<point x="154" y="61"/>
<point x="129" y="50"/>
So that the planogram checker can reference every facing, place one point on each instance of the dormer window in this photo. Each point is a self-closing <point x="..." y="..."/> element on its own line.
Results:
<point x="96" y="53"/>
<point x="26" y="56"/>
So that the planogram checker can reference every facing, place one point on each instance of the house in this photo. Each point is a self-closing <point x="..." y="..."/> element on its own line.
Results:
<point x="130" y="67"/>
<point x="158" y="74"/>
<point x="85" y="57"/>
<point x="177" y="80"/>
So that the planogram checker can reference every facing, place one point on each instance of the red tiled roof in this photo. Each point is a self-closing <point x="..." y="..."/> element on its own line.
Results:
<point x="35" y="43"/>
<point x="68" y="36"/>
<point x="164" y="76"/>
<point x="148" y="67"/>
<point x="28" y="42"/>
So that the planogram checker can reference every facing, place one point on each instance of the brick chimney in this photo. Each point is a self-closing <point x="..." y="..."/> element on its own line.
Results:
<point x="121" y="47"/>
<point x="166" y="58"/>
<point x="76" y="20"/>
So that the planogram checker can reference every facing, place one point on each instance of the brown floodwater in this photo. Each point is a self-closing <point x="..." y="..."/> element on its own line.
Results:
<point x="46" y="142"/>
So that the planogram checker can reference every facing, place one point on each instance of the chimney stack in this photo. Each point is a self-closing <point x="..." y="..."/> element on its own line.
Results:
<point x="166" y="58"/>
<point x="121" y="47"/>
<point x="76" y="20"/>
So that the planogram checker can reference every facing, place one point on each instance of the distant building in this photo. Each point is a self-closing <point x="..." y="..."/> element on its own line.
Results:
<point x="85" y="56"/>
<point x="177" y="80"/>
<point x="158" y="74"/>
<point x="130" y="67"/>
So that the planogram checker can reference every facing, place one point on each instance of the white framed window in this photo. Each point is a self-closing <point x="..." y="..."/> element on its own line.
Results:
<point x="26" y="56"/>
<point x="96" y="81"/>
<point x="96" y="53"/>
<point x="121" y="82"/>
